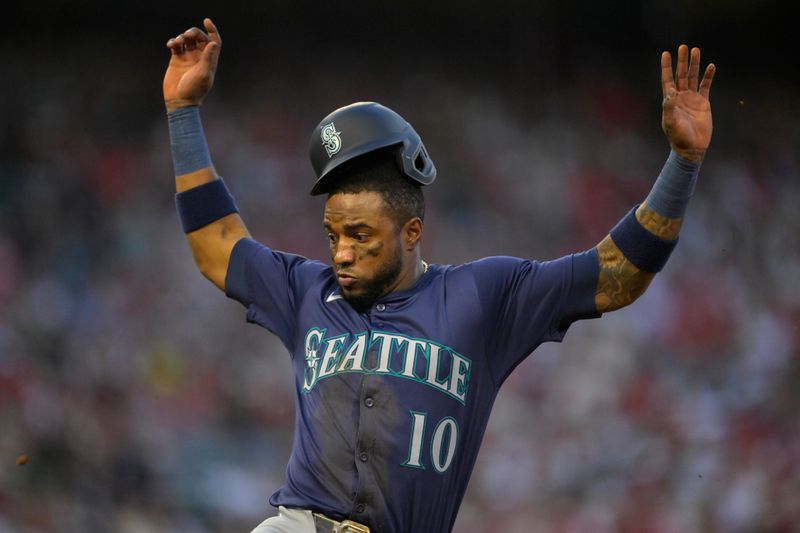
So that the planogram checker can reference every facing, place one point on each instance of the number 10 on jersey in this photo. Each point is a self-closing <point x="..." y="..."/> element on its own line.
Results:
<point x="443" y="442"/>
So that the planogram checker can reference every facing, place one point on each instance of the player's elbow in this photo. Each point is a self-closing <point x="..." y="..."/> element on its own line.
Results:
<point x="212" y="247"/>
<point x="620" y="282"/>
<point x="210" y="258"/>
<point x="210" y="268"/>
<point x="614" y="293"/>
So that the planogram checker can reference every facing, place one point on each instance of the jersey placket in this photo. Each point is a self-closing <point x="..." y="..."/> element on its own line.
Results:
<point x="371" y="402"/>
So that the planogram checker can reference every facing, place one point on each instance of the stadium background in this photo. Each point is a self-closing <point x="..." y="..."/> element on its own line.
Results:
<point x="144" y="403"/>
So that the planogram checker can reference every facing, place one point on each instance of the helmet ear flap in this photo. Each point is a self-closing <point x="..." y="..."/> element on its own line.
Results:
<point x="423" y="162"/>
<point x="415" y="161"/>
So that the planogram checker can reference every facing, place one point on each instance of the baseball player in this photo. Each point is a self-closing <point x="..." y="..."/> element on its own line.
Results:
<point x="397" y="362"/>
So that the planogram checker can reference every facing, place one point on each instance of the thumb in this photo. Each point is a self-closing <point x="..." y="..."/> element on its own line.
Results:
<point x="210" y="55"/>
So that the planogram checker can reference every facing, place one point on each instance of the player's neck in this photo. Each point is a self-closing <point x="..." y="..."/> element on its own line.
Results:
<point x="411" y="274"/>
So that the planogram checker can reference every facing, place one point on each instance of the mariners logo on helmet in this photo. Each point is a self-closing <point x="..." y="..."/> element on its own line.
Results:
<point x="368" y="127"/>
<point x="331" y="139"/>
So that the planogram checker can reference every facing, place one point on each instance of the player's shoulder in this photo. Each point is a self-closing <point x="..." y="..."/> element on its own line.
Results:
<point x="254" y="268"/>
<point x="493" y="261"/>
<point x="261" y="258"/>
<point x="498" y="264"/>
<point x="495" y="271"/>
<point x="502" y="266"/>
<point x="484" y="271"/>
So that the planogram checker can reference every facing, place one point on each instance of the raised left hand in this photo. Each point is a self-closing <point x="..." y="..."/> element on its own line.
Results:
<point x="686" y="110"/>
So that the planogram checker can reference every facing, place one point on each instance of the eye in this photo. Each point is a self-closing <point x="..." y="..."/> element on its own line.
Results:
<point x="331" y="238"/>
<point x="361" y="237"/>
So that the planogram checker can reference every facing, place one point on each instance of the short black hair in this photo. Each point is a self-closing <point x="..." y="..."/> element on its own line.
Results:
<point x="379" y="172"/>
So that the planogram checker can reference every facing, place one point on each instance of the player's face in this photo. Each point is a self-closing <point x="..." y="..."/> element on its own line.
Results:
<point x="365" y="247"/>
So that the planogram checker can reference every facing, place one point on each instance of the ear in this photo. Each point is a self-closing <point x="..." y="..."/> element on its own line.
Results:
<point x="411" y="233"/>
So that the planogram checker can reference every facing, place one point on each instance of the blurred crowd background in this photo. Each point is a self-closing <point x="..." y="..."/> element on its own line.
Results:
<point x="133" y="396"/>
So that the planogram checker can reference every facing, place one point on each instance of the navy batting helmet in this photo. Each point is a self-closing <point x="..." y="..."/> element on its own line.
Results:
<point x="359" y="129"/>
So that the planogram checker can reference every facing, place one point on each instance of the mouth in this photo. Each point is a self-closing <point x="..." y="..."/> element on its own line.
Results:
<point x="345" y="280"/>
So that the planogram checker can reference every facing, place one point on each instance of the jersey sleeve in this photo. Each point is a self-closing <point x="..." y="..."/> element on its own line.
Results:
<point x="270" y="285"/>
<point x="526" y="303"/>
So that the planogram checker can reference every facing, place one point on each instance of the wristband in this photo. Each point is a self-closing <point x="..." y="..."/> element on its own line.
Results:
<point x="200" y="206"/>
<point x="674" y="187"/>
<point x="187" y="140"/>
<point x="645" y="250"/>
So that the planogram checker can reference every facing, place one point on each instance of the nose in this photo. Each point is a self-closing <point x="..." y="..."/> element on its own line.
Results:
<point x="344" y="254"/>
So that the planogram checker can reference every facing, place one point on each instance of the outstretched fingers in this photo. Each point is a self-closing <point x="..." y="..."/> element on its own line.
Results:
<point x="708" y="77"/>
<point x="686" y="74"/>
<point x="682" y="70"/>
<point x="667" y="81"/>
<point x="694" y="68"/>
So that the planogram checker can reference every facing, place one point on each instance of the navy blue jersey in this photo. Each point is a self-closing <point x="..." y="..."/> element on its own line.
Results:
<point x="392" y="403"/>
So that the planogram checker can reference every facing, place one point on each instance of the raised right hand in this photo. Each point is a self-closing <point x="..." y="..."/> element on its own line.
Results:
<point x="192" y="65"/>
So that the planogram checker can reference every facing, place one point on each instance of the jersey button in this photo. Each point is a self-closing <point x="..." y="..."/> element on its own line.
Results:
<point x="369" y="402"/>
<point x="363" y="456"/>
<point x="380" y="307"/>
<point x="360" y="508"/>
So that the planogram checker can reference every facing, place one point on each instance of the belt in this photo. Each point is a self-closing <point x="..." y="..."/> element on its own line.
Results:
<point x="326" y="525"/>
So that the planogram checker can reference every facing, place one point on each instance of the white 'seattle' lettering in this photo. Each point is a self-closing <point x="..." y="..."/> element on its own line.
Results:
<point x="396" y="355"/>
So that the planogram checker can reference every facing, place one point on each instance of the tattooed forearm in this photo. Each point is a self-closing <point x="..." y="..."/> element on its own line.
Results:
<point x="659" y="225"/>
<point x="620" y="282"/>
